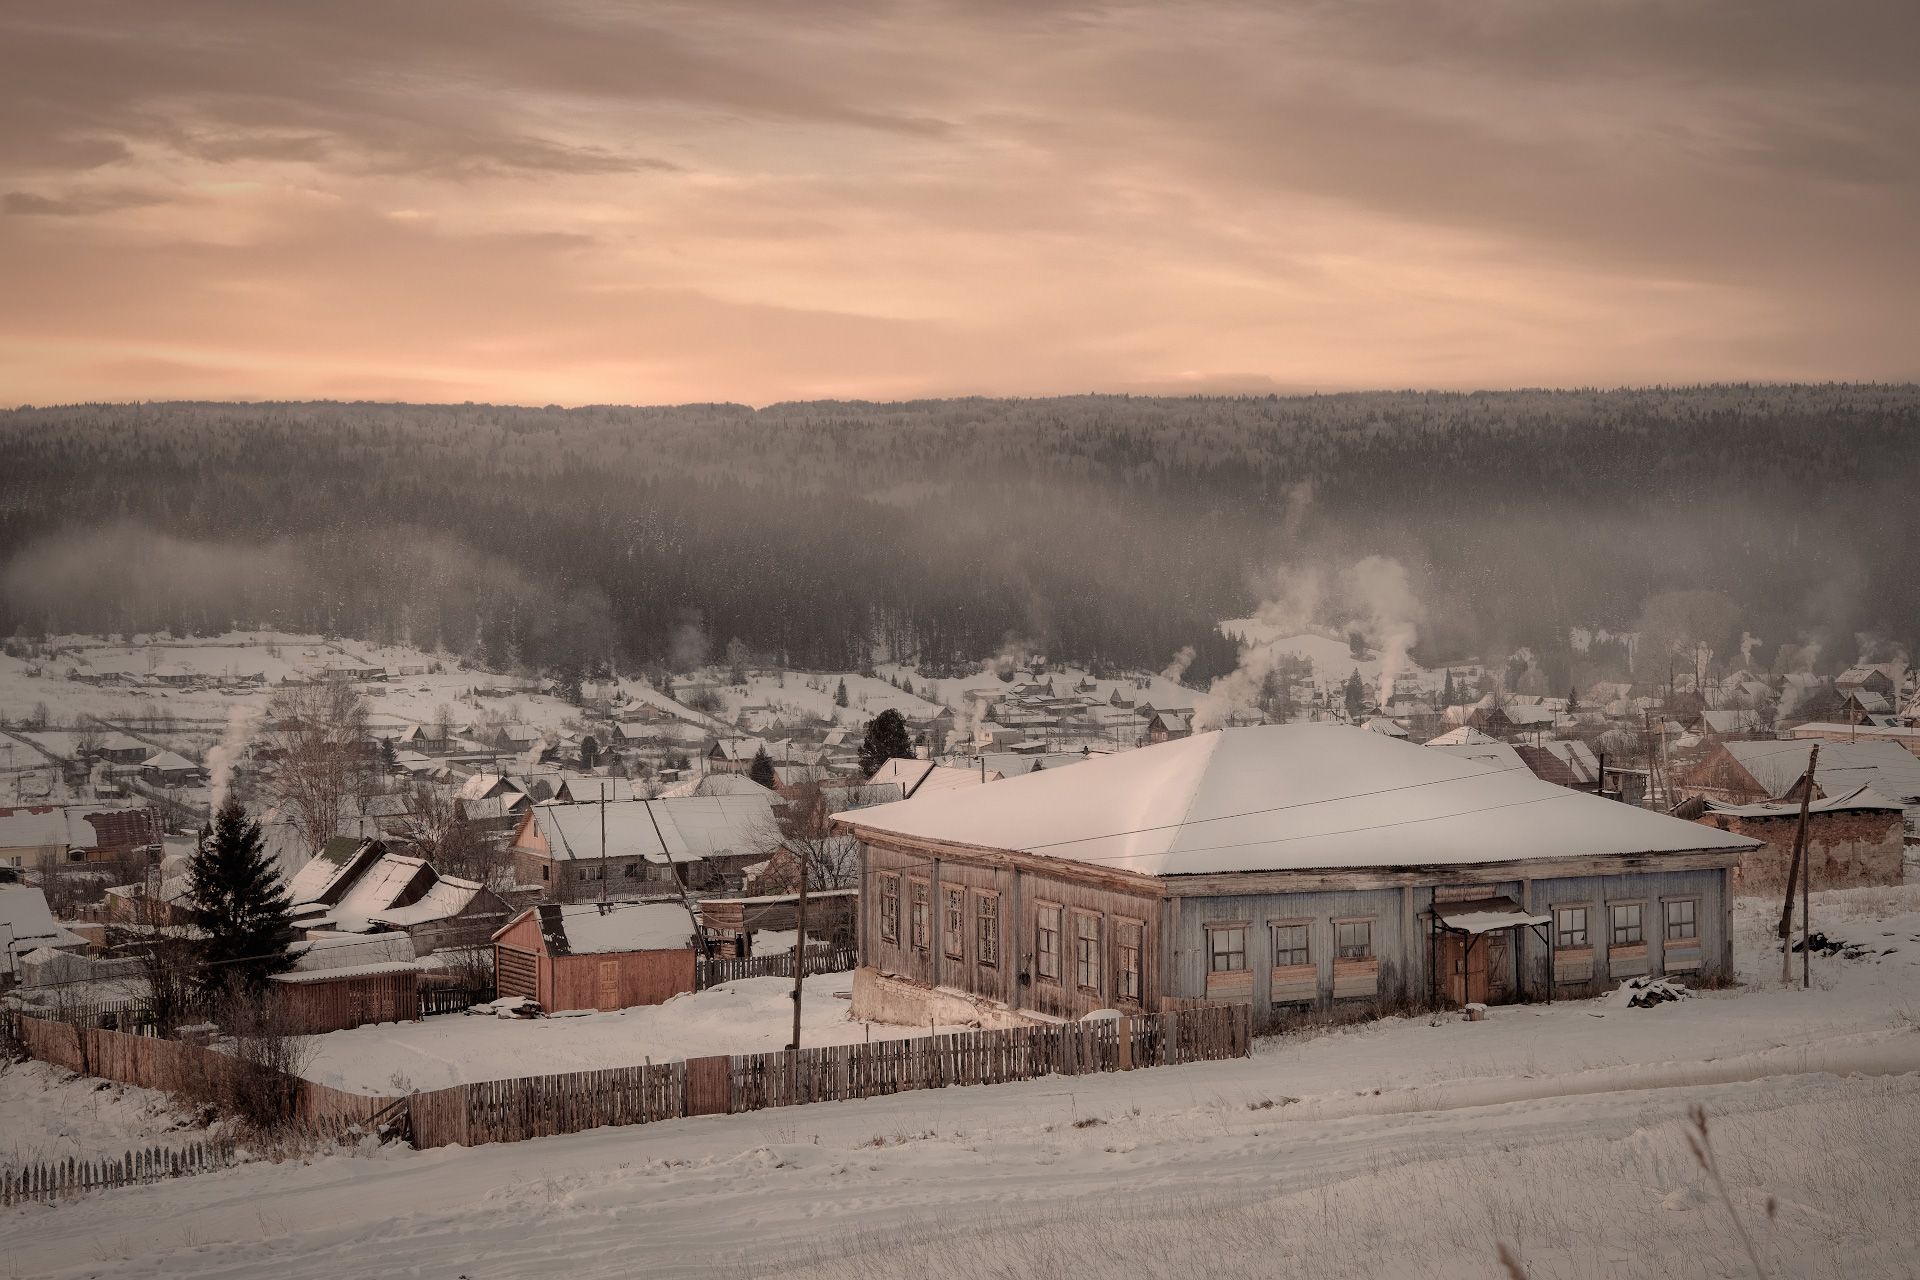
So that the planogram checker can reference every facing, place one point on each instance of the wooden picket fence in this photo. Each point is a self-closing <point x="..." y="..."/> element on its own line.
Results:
<point x="44" y="1180"/>
<point x="715" y="970"/>
<point x="434" y="1000"/>
<point x="542" y="1106"/>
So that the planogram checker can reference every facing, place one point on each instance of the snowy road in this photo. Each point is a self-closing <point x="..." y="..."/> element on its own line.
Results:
<point x="774" y="1187"/>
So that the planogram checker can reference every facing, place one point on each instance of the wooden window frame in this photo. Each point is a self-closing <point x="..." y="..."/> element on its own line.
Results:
<point x="1371" y="922"/>
<point x="1121" y="970"/>
<point x="953" y="921"/>
<point x="920" y="913"/>
<point x="889" y="906"/>
<point x="1041" y="909"/>
<point x="1613" y="926"/>
<point x="1586" y="926"/>
<point x="1273" y="941"/>
<point x="1227" y="926"/>
<point x="1666" y="922"/>
<point x="1086" y="951"/>
<point x="986" y="942"/>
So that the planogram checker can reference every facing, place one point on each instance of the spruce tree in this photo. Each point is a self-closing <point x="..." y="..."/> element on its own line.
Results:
<point x="840" y="695"/>
<point x="761" y="770"/>
<point x="887" y="739"/>
<point x="1356" y="693"/>
<point x="1447" y="695"/>
<point x="239" y="906"/>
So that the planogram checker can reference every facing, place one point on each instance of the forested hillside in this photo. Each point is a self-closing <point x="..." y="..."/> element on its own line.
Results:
<point x="1093" y="527"/>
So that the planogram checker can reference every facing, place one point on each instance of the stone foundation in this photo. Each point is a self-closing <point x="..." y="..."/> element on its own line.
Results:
<point x="890" y="998"/>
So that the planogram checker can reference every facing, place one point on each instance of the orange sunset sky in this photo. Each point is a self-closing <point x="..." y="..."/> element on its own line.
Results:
<point x="577" y="202"/>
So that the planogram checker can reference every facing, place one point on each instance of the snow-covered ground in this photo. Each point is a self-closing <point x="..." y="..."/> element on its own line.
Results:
<point x="752" y="1015"/>
<point x="47" y="1113"/>
<point x="1411" y="1147"/>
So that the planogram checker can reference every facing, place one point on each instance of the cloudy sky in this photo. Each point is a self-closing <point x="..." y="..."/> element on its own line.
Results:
<point x="580" y="202"/>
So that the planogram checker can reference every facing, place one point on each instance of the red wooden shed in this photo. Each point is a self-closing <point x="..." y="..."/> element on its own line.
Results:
<point x="596" y="955"/>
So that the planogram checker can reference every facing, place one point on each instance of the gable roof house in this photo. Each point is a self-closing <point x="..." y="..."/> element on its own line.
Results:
<point x="1285" y="867"/>
<point x="47" y="837"/>
<point x="648" y="844"/>
<point x="370" y="889"/>
<point x="1565" y="762"/>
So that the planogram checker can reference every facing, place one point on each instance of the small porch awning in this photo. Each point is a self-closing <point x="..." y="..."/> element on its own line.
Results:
<point x="1484" y="915"/>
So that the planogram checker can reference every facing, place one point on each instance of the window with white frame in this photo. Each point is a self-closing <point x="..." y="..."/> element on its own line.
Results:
<point x="1086" y="951"/>
<point x="1227" y="948"/>
<point x="1683" y="920"/>
<point x="1627" y="923"/>
<point x="1290" y="945"/>
<point x="918" y="921"/>
<point x="1046" y="942"/>
<point x="986" y="918"/>
<point x="1569" y="928"/>
<point x="1353" y="939"/>
<point x="890" y="908"/>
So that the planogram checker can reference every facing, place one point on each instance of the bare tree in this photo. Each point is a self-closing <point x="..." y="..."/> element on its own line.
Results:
<point x="455" y="846"/>
<point x="802" y="830"/>
<point x="166" y="956"/>
<point x="323" y="759"/>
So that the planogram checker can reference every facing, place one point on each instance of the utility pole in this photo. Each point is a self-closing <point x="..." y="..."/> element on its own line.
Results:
<point x="799" y="946"/>
<point x="1793" y="869"/>
<point x="603" y="842"/>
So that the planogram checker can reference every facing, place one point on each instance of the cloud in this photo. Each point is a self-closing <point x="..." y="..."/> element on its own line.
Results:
<point x="734" y="200"/>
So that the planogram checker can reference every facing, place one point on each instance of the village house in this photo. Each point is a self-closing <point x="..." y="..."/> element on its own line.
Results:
<point x="592" y="790"/>
<point x="1881" y="679"/>
<point x="1748" y="772"/>
<point x="646" y="844"/>
<point x="1288" y="867"/>
<point x="1903" y="736"/>
<point x="1854" y="839"/>
<point x="596" y="955"/>
<point x="1169" y="726"/>
<point x="27" y="926"/>
<point x="366" y="888"/>
<point x="1565" y="762"/>
<point x="48" y="837"/>
<point x="169" y="769"/>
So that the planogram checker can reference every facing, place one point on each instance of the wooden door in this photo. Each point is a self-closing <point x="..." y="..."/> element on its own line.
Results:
<point x="1464" y="962"/>
<point x="609" y="984"/>
<point x="1498" y="946"/>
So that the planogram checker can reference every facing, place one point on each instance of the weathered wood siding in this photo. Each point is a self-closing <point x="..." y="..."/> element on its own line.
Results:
<point x="637" y="978"/>
<point x="584" y="982"/>
<point x="1019" y="891"/>
<point x="1399" y="966"/>
<point x="340" y="1004"/>
<point x="1713" y="917"/>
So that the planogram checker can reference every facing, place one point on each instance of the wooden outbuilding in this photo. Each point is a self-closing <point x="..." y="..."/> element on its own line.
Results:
<point x="596" y="955"/>
<point x="322" y="1000"/>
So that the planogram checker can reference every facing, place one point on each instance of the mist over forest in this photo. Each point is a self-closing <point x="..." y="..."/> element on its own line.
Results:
<point x="1098" y="528"/>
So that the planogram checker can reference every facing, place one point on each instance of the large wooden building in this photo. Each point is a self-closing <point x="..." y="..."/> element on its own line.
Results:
<point x="1291" y="867"/>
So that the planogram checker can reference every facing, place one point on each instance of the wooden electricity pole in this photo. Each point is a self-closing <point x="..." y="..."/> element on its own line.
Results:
<point x="799" y="947"/>
<point x="1793" y="872"/>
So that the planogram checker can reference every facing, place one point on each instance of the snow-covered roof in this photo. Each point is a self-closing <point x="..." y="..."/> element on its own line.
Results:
<point x="602" y="928"/>
<point x="447" y="898"/>
<point x="1465" y="735"/>
<point x="376" y="892"/>
<point x="1287" y="797"/>
<point x="923" y="777"/>
<point x="692" y="827"/>
<point x="1495" y="755"/>
<point x="170" y="761"/>
<point x="1860" y="798"/>
<point x="1484" y="915"/>
<point x="334" y="863"/>
<point x="27" y="918"/>
<point x="482" y="785"/>
<point x="590" y="790"/>
<point x="1887" y="767"/>
<point x="349" y="951"/>
<point x="1380" y="724"/>
<point x="305" y="977"/>
<point x="500" y="806"/>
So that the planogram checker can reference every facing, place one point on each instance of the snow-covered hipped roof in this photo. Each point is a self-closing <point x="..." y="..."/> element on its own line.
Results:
<point x="1287" y="797"/>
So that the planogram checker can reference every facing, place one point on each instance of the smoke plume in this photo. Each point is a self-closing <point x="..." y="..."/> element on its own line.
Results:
<point x="222" y="757"/>
<point x="1389" y="614"/>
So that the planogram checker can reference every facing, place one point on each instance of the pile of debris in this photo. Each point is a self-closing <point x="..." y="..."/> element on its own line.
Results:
<point x="1645" y="993"/>
<point x="1821" y="945"/>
